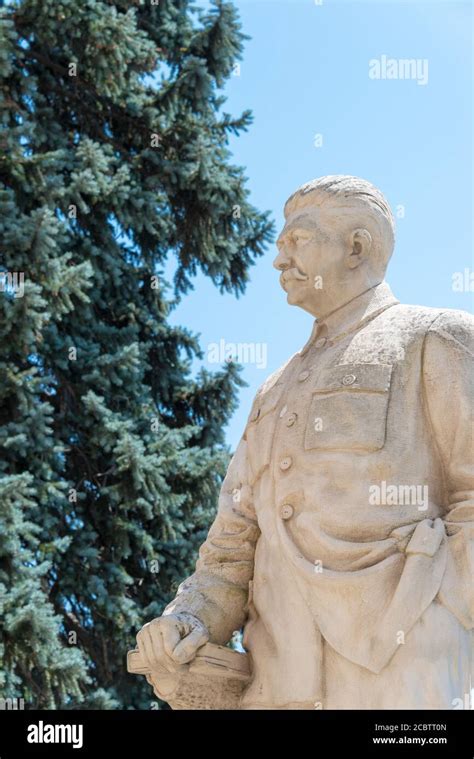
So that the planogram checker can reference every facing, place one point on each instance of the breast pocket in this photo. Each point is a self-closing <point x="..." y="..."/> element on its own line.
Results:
<point x="349" y="408"/>
<point x="260" y="429"/>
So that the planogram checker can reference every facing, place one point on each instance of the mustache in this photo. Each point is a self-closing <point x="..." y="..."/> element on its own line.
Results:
<point x="293" y="273"/>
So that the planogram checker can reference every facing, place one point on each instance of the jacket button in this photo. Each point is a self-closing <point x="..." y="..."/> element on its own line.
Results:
<point x="286" y="511"/>
<point x="349" y="379"/>
<point x="285" y="463"/>
<point x="303" y="376"/>
<point x="321" y="342"/>
<point x="283" y="411"/>
<point x="291" y="419"/>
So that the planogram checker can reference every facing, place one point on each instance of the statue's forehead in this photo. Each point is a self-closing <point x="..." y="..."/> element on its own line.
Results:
<point x="306" y="218"/>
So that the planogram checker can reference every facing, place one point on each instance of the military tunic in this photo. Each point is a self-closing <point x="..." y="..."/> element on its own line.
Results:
<point x="349" y="600"/>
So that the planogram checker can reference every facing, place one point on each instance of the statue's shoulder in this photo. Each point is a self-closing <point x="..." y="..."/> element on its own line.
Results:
<point x="421" y="321"/>
<point x="454" y="325"/>
<point x="276" y="378"/>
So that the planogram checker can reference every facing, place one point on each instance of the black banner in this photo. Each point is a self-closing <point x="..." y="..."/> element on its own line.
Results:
<point x="102" y="733"/>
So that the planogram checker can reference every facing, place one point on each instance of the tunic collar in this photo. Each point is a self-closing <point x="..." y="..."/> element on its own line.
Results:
<point x="353" y="315"/>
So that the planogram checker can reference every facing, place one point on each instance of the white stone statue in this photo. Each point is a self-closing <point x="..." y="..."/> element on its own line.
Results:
<point x="343" y="541"/>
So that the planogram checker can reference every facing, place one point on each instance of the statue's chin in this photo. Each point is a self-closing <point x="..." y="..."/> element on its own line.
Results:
<point x="299" y="300"/>
<point x="296" y="293"/>
<point x="293" y="297"/>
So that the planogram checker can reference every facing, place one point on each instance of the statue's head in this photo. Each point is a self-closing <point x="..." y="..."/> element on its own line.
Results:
<point x="337" y="240"/>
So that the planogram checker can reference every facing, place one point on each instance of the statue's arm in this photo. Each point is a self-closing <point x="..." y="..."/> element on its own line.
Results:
<point x="448" y="376"/>
<point x="217" y="592"/>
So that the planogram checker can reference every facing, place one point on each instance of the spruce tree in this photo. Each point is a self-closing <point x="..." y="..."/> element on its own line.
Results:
<point x="114" y="162"/>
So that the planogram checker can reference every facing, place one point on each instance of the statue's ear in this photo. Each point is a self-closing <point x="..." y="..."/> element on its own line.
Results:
<point x="361" y="244"/>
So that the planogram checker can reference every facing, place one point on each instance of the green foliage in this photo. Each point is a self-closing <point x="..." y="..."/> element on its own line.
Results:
<point x="114" y="158"/>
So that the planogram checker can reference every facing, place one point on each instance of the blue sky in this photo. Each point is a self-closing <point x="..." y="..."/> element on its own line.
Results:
<point x="305" y="72"/>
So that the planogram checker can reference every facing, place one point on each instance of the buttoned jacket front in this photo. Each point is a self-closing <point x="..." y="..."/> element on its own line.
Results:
<point x="348" y="505"/>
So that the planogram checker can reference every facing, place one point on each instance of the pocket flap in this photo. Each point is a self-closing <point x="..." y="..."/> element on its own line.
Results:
<point x="265" y="402"/>
<point x="373" y="378"/>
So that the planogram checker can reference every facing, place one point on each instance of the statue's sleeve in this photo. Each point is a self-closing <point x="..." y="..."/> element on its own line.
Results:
<point x="448" y="374"/>
<point x="217" y="592"/>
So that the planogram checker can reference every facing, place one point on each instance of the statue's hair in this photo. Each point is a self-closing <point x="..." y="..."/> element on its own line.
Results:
<point x="364" y="204"/>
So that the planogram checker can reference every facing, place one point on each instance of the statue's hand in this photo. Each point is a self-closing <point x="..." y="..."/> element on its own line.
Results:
<point x="171" y="641"/>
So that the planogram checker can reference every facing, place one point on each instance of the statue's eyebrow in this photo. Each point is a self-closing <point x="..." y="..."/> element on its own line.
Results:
<point x="291" y="231"/>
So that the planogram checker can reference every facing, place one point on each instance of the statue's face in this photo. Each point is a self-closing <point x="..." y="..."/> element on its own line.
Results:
<point x="312" y="260"/>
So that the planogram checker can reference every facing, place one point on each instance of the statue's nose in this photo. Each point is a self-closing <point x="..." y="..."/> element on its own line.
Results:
<point x="281" y="262"/>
